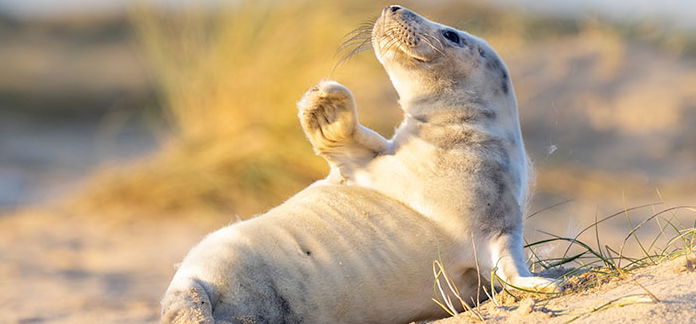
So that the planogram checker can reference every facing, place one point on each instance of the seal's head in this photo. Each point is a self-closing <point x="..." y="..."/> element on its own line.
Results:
<point x="426" y="59"/>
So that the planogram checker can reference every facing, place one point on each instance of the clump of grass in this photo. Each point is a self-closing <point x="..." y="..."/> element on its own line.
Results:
<point x="228" y="78"/>
<point x="591" y="265"/>
<point x="446" y="287"/>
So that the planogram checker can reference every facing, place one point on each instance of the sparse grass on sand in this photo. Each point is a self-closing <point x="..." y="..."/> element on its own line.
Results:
<point x="607" y="274"/>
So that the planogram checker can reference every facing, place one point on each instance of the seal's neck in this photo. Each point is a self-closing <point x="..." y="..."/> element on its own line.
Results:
<point x="412" y="86"/>
<point x="460" y="107"/>
<point x="496" y="116"/>
<point x="447" y="108"/>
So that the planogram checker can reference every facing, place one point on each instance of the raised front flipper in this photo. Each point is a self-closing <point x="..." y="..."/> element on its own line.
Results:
<point x="329" y="118"/>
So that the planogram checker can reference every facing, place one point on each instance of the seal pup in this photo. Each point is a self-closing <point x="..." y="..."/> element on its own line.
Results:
<point x="458" y="156"/>
<point x="364" y="253"/>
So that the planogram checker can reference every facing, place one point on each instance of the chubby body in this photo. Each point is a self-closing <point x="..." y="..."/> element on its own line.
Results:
<point x="330" y="254"/>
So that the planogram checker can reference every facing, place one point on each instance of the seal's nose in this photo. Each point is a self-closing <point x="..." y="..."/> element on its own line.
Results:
<point x="392" y="8"/>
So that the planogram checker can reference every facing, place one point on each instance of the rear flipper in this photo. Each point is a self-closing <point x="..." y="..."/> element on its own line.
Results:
<point x="187" y="303"/>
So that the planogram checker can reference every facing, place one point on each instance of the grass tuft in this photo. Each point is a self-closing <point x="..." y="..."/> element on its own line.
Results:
<point x="590" y="267"/>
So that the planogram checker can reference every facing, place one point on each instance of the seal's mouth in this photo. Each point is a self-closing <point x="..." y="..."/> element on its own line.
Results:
<point x="401" y="32"/>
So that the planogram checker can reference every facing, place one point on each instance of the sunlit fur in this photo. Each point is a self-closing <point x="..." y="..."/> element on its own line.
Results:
<point x="330" y="254"/>
<point x="458" y="157"/>
<point x="359" y="246"/>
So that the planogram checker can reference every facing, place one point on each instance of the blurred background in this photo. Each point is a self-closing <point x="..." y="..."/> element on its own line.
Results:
<point x="128" y="129"/>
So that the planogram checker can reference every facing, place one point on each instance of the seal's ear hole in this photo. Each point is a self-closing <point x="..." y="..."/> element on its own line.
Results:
<point x="482" y="52"/>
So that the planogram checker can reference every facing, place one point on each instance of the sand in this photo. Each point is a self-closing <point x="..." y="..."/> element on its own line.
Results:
<point x="60" y="268"/>
<point x="673" y="284"/>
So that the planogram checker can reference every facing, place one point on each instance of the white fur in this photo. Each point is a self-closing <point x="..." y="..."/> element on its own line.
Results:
<point x="330" y="254"/>
<point x="439" y="162"/>
<point x="359" y="246"/>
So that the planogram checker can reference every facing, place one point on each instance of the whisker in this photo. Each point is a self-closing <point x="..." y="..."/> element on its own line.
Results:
<point x="360" y="36"/>
<point x="436" y="39"/>
<point x="361" y="39"/>
<point x="361" y="47"/>
<point x="388" y="45"/>
<point x="392" y="39"/>
<point x="426" y="39"/>
<point x="394" y="42"/>
<point x="362" y="28"/>
<point x="358" y="32"/>
<point x="352" y="42"/>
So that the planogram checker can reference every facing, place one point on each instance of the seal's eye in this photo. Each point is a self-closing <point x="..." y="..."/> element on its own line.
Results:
<point x="451" y="36"/>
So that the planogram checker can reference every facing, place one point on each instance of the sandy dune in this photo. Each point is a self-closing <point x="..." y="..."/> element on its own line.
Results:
<point x="622" y="301"/>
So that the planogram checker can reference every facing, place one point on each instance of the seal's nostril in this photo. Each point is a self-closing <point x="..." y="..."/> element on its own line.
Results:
<point x="394" y="8"/>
